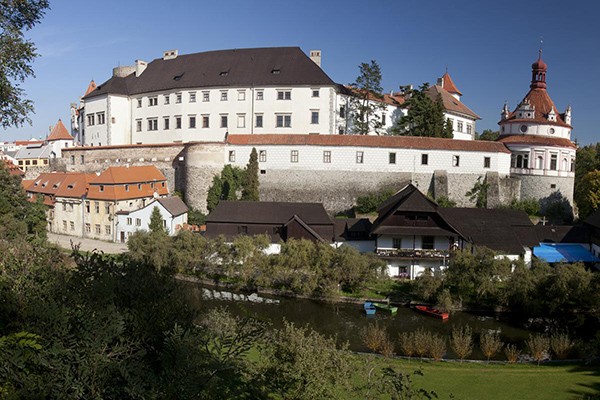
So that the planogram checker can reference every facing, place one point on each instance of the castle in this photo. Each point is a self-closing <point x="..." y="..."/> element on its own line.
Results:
<point x="190" y="115"/>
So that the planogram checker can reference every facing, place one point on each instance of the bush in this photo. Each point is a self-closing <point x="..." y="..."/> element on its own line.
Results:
<point x="370" y="202"/>
<point x="512" y="353"/>
<point x="490" y="344"/>
<point x="377" y="340"/>
<point x="436" y="346"/>
<point x="462" y="341"/>
<point x="421" y="342"/>
<point x="538" y="346"/>
<point x="407" y="343"/>
<point x="561" y="345"/>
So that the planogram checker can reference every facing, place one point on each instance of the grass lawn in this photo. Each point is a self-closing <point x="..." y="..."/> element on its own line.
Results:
<point x="510" y="381"/>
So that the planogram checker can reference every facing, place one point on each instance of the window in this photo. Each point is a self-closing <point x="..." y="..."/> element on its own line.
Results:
<point x="397" y="243"/>
<point x="152" y="124"/>
<point x="139" y="103"/>
<point x="243" y="229"/>
<point x="327" y="156"/>
<point x="205" y="96"/>
<point x="166" y="123"/>
<point x="427" y="243"/>
<point x="178" y="97"/>
<point x="259" y="121"/>
<point x="392" y="158"/>
<point x="342" y="111"/>
<point x="314" y="117"/>
<point x="223" y="121"/>
<point x="359" y="157"/>
<point x="553" y="186"/>
<point x="241" y="95"/>
<point x="424" y="159"/>
<point x="97" y="228"/>
<point x="64" y="225"/>
<point x="284" y="95"/>
<point x="522" y="161"/>
<point x="178" y="122"/>
<point x="192" y="121"/>
<point x="138" y="125"/>
<point x="294" y="156"/>
<point x="87" y="206"/>
<point x="540" y="162"/>
<point x="205" y="121"/>
<point x="101" y="188"/>
<point x="129" y="221"/>
<point x="523" y="128"/>
<point x="138" y="222"/>
<point x="459" y="126"/>
<point x="152" y="101"/>
<point x="97" y="207"/>
<point x="455" y="161"/>
<point x="284" y="121"/>
<point x="262" y="156"/>
<point x="315" y="93"/>
<point x="106" y="208"/>
<point x="90" y="120"/>
<point x="259" y="95"/>
<point x="553" y="162"/>
<point x="167" y="99"/>
<point x="192" y="97"/>
<point x="241" y="121"/>
<point x="139" y="186"/>
<point x="469" y="129"/>
<point x="383" y="119"/>
<point x="107" y="229"/>
<point x="88" y="228"/>
<point x="127" y="188"/>
<point x="486" y="162"/>
<point x="224" y="95"/>
<point x="101" y="118"/>
<point x="231" y="155"/>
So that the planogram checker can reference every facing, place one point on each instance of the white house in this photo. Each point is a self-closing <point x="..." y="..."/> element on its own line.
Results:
<point x="172" y="209"/>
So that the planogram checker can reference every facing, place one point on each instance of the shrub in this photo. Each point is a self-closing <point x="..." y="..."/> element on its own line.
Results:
<point x="436" y="346"/>
<point x="370" y="202"/>
<point x="561" y="345"/>
<point x="377" y="340"/>
<point x="462" y="341"/>
<point x="512" y="353"/>
<point x="420" y="340"/>
<point x="407" y="343"/>
<point x="490" y="343"/>
<point x="538" y="346"/>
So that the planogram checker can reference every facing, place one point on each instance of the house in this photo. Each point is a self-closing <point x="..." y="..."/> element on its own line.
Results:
<point x="34" y="155"/>
<point x="278" y="220"/>
<point x="172" y="209"/>
<point x="58" y="139"/>
<point x="354" y="232"/>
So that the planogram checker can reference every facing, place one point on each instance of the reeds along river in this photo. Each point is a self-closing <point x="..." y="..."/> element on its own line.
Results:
<point x="346" y="320"/>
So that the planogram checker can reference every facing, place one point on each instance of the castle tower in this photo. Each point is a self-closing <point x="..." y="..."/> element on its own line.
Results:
<point x="543" y="155"/>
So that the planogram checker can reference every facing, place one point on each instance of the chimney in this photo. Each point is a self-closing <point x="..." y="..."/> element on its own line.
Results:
<point x="440" y="82"/>
<point x="315" y="56"/>
<point x="140" y="67"/>
<point x="122" y="72"/>
<point x="170" y="54"/>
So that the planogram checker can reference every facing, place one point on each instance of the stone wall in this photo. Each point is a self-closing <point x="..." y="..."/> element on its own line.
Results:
<point x="539" y="187"/>
<point x="203" y="162"/>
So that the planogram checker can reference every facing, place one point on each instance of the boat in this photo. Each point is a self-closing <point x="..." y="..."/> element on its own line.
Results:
<point x="386" y="307"/>
<point x="369" y="308"/>
<point x="433" y="312"/>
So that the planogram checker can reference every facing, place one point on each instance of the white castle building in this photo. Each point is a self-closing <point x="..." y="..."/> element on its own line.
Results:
<point x="192" y="114"/>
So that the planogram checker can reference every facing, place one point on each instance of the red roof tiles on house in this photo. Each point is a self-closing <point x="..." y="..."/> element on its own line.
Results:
<point x="12" y="168"/>
<point x="123" y="183"/>
<point x="136" y="174"/>
<point x="542" y="103"/>
<point x="91" y="87"/>
<point x="449" y="102"/>
<point x="536" y="140"/>
<point x="448" y="84"/>
<point x="401" y="142"/>
<point x="59" y="132"/>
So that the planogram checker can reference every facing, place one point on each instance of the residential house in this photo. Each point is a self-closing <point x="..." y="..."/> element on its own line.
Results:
<point x="354" y="232"/>
<point x="33" y="155"/>
<point x="172" y="210"/>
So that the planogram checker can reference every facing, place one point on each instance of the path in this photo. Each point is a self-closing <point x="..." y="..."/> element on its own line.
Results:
<point x="87" y="244"/>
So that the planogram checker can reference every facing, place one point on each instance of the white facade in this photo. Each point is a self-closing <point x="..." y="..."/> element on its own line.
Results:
<point x="139" y="220"/>
<point x="463" y="127"/>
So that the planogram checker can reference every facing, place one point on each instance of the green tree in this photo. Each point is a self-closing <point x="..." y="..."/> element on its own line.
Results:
<point x="425" y="116"/>
<point x="250" y="183"/>
<point x="478" y="194"/>
<point x="366" y="100"/>
<point x="196" y="217"/>
<point x="488" y="134"/>
<point x="588" y="194"/>
<point x="17" y="55"/>
<point x="225" y="186"/>
<point x="156" y="224"/>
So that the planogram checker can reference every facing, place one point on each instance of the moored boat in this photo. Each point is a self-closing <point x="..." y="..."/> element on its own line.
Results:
<point x="433" y="312"/>
<point x="386" y="307"/>
<point x="369" y="308"/>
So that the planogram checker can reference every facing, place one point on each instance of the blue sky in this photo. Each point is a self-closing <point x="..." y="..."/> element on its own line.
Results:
<point x="487" y="46"/>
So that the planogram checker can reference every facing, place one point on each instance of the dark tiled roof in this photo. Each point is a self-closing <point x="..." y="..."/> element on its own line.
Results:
<point x="535" y="139"/>
<point x="594" y="219"/>
<point x="267" y="212"/>
<point x="494" y="228"/>
<point x="561" y="233"/>
<point x="352" y="229"/>
<point x="174" y="205"/>
<point x="400" y="142"/>
<point x="275" y="66"/>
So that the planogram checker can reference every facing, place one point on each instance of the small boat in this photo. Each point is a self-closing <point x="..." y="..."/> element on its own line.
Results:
<point x="369" y="308"/>
<point x="386" y="307"/>
<point x="432" y="312"/>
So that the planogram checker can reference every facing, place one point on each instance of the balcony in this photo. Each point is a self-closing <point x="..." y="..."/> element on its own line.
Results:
<point x="412" y="253"/>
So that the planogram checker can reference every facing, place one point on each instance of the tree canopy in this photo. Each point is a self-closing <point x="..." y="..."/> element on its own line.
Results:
<point x="17" y="55"/>
<point x="367" y="98"/>
<point x="250" y="182"/>
<point x="425" y="116"/>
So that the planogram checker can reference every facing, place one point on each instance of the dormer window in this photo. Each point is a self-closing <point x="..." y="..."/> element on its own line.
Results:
<point x="224" y="73"/>
<point x="276" y="71"/>
<point x="101" y="188"/>
<point x="523" y="128"/>
<point x="139" y="186"/>
<point x="127" y="188"/>
<point x="70" y="187"/>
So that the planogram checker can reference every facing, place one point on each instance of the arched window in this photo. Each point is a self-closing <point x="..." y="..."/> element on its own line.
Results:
<point x="539" y="162"/>
<point x="519" y="161"/>
<point x="565" y="164"/>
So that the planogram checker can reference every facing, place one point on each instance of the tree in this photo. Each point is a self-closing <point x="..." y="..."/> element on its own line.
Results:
<point x="478" y="193"/>
<point x="224" y="186"/>
<point x="250" y="182"/>
<point x="461" y="341"/>
<point x="156" y="224"/>
<point x="17" y="54"/>
<point x="425" y="116"/>
<point x="488" y="134"/>
<point x="490" y="343"/>
<point x="366" y="101"/>
<point x="588" y="194"/>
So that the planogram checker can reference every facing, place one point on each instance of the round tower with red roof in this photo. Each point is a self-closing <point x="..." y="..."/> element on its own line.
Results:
<point x="539" y="137"/>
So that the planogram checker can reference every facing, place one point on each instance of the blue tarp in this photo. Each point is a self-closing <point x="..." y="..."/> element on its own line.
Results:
<point x="563" y="252"/>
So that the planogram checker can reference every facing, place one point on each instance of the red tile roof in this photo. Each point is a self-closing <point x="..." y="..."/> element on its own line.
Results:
<point x="448" y="84"/>
<point x="122" y="183"/>
<point x="536" y="140"/>
<point x="91" y="87"/>
<point x="542" y="103"/>
<point x="401" y="142"/>
<point x="59" y="132"/>
<point x="391" y="99"/>
<point x="62" y="184"/>
<point x="27" y="142"/>
<point x="135" y="174"/>
<point x="450" y="102"/>
<point x="12" y="168"/>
